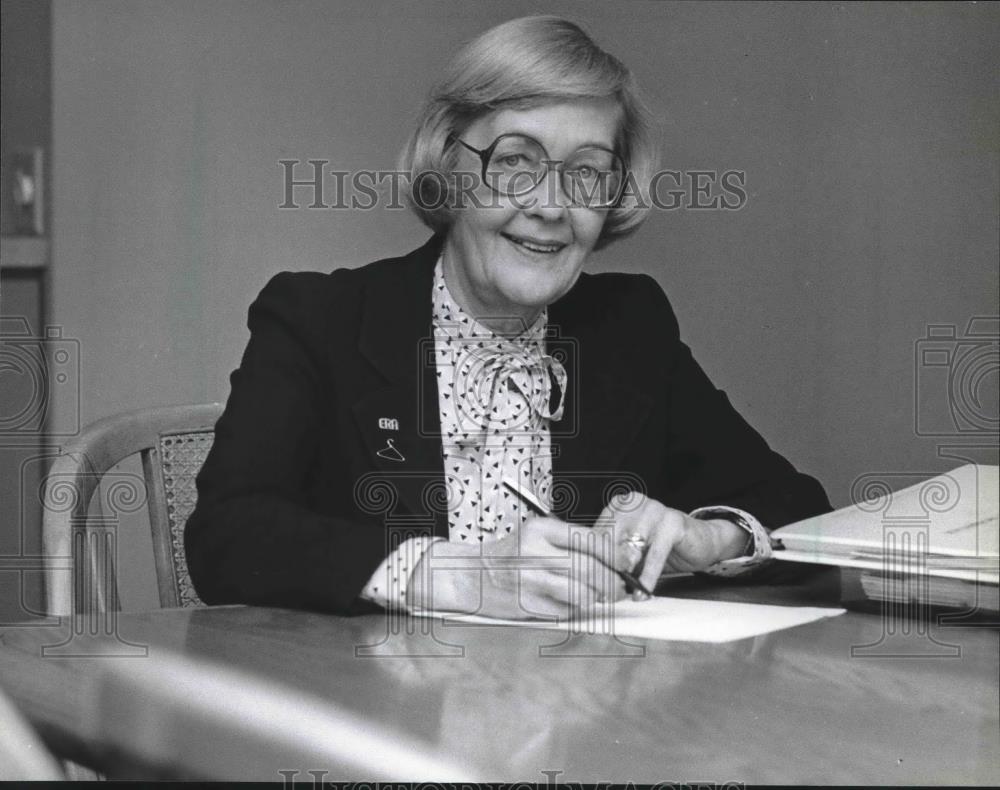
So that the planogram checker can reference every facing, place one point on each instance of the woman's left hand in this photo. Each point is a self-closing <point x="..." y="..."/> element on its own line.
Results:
<point x="674" y="540"/>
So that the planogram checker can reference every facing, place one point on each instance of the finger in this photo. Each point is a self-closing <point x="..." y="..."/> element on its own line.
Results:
<point x="541" y="536"/>
<point x="587" y="582"/>
<point x="513" y="595"/>
<point x="583" y="584"/>
<point x="629" y="514"/>
<point x="589" y="594"/>
<point x="663" y="536"/>
<point x="593" y="580"/>
<point x="580" y="601"/>
<point x="611" y="551"/>
<point x="594" y="542"/>
<point x="634" y="554"/>
<point x="583" y="553"/>
<point x="542" y="594"/>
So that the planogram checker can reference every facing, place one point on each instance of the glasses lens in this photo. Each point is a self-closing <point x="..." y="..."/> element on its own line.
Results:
<point x="516" y="166"/>
<point x="593" y="177"/>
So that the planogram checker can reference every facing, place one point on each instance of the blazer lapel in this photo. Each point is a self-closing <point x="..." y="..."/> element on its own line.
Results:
<point x="400" y="422"/>
<point x="605" y="408"/>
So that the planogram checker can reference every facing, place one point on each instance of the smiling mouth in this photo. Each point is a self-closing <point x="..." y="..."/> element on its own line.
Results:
<point x="546" y="247"/>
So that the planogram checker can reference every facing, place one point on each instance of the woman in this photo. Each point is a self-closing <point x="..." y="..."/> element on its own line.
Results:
<point x="400" y="416"/>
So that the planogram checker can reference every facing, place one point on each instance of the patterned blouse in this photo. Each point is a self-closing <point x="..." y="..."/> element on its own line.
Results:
<point x="497" y="396"/>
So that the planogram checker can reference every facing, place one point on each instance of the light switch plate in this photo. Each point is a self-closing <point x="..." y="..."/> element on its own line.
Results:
<point x="24" y="182"/>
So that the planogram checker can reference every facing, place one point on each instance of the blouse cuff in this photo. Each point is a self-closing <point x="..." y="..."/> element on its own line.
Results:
<point x="737" y="566"/>
<point x="387" y="586"/>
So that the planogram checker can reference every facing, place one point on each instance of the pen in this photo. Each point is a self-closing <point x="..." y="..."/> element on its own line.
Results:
<point x="527" y="496"/>
<point x="632" y="584"/>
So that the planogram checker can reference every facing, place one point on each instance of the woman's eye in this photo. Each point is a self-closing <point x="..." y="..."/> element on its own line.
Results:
<point x="511" y="160"/>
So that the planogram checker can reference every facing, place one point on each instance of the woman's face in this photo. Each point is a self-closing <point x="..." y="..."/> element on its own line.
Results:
<point x="489" y="266"/>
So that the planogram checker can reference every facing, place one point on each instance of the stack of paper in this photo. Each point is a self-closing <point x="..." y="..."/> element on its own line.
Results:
<point x="935" y="542"/>
<point x="938" y="590"/>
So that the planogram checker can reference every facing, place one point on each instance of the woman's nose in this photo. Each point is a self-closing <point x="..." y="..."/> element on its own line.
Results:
<point x="548" y="200"/>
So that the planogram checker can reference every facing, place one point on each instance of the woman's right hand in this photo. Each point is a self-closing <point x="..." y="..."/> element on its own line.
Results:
<point x="547" y="568"/>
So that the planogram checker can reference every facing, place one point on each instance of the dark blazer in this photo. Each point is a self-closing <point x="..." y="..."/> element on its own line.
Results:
<point x="297" y="508"/>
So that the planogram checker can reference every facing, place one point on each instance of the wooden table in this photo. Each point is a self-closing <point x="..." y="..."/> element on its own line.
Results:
<point x="248" y="693"/>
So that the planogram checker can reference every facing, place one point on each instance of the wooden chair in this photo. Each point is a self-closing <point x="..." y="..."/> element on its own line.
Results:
<point x="80" y="540"/>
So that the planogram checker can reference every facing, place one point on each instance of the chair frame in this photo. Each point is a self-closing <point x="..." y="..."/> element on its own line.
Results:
<point x="89" y="585"/>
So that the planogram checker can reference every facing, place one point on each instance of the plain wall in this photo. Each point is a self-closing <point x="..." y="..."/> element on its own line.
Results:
<point x="26" y="90"/>
<point x="25" y="122"/>
<point x="23" y="456"/>
<point x="868" y="134"/>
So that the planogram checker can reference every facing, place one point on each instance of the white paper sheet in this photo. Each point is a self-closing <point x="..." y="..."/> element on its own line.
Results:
<point x="673" y="619"/>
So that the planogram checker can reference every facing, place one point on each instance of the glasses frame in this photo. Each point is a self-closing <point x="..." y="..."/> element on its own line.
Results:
<point x="485" y="154"/>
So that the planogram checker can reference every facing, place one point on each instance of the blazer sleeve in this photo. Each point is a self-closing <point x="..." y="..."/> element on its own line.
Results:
<point x="714" y="456"/>
<point x="253" y="538"/>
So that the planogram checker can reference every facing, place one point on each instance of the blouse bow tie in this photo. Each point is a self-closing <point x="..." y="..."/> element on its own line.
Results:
<point x="484" y="374"/>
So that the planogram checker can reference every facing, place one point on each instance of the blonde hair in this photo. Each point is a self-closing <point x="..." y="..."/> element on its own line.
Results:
<point x="520" y="64"/>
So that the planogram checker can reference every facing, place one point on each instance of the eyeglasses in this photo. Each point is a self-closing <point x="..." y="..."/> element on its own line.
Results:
<point x="514" y="164"/>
